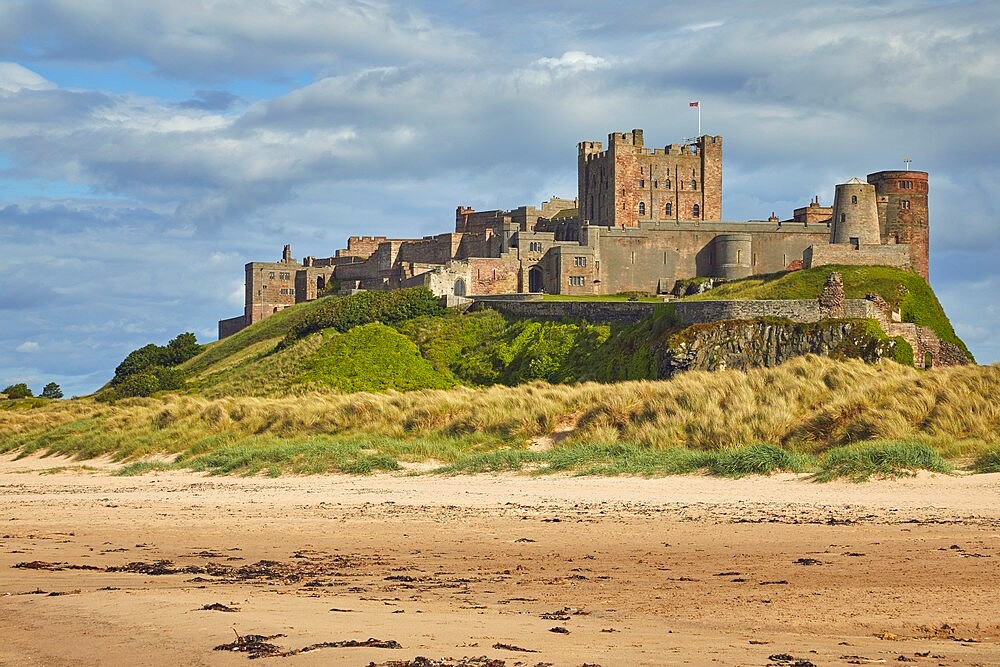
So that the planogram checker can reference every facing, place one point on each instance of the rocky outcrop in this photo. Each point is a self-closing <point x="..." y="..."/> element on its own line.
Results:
<point x="753" y="344"/>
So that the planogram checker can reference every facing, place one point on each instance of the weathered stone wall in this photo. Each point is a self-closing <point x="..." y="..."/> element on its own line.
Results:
<point x="655" y="255"/>
<point x="622" y="312"/>
<point x="796" y="310"/>
<point x="361" y="246"/>
<point x="231" y="326"/>
<point x="897" y="256"/>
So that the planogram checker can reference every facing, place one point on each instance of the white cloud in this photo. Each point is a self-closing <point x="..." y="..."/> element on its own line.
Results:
<point x="28" y="346"/>
<point x="574" y="61"/>
<point x="14" y="78"/>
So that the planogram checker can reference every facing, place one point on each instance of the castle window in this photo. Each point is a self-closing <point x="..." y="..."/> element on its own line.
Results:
<point x="666" y="184"/>
<point x="271" y="275"/>
<point x="642" y="208"/>
<point x="694" y="184"/>
<point x="855" y="242"/>
<point x="696" y="211"/>
<point x="843" y="217"/>
<point x="904" y="204"/>
<point x="906" y="185"/>
<point x="668" y="209"/>
<point x="580" y="261"/>
<point x="535" y="246"/>
<point x="576" y="281"/>
<point x="656" y="184"/>
<point x="854" y="199"/>
<point x="642" y="183"/>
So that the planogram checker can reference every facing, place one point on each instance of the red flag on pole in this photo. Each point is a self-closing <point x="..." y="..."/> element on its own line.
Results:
<point x="692" y="104"/>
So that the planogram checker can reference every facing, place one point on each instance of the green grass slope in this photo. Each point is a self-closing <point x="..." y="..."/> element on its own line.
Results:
<point x="900" y="289"/>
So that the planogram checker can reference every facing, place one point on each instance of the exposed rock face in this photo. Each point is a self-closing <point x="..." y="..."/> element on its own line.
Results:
<point x="753" y="344"/>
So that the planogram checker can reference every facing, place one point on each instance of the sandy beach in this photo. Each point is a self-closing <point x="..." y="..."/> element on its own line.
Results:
<point x="164" y="568"/>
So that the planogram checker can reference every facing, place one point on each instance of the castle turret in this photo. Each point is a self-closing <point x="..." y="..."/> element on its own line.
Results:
<point x="855" y="214"/>
<point x="902" y="212"/>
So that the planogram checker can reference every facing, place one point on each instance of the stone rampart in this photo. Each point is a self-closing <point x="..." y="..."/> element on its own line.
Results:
<point x="618" y="312"/>
<point x="897" y="256"/>
<point x="801" y="310"/>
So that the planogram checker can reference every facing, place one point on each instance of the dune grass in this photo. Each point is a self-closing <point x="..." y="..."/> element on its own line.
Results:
<point x="859" y="462"/>
<point x="705" y="421"/>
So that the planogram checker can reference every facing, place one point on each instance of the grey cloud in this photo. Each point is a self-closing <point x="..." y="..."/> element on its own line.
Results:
<point x="211" y="100"/>
<point x="198" y="41"/>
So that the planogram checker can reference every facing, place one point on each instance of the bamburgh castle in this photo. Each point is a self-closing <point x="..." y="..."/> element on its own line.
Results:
<point x="643" y="219"/>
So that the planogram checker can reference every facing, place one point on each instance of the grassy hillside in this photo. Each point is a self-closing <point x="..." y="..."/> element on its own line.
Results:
<point x="316" y="388"/>
<point x="900" y="289"/>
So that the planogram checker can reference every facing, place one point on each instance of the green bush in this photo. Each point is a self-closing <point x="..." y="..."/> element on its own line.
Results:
<point x="19" y="390"/>
<point x="183" y="347"/>
<point x="137" y="384"/>
<point x="902" y="353"/>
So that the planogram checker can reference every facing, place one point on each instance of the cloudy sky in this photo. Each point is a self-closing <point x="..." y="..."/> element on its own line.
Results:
<point x="149" y="149"/>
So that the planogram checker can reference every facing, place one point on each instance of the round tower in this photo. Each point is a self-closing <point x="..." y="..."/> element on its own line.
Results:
<point x="902" y="212"/>
<point x="733" y="256"/>
<point x="855" y="214"/>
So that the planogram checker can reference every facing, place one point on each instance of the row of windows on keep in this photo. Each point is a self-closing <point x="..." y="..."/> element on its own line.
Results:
<point x="666" y="184"/>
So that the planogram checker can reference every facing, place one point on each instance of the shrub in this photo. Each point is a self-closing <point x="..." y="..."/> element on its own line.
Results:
<point x="137" y="384"/>
<point x="19" y="390"/>
<point x="183" y="347"/>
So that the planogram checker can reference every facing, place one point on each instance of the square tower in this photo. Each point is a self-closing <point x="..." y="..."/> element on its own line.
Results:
<point x="629" y="184"/>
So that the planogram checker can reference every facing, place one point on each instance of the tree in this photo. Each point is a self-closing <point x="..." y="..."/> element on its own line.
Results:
<point x="19" y="390"/>
<point x="52" y="390"/>
<point x="181" y="348"/>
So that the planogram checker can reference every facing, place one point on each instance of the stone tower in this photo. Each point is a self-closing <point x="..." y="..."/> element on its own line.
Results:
<point x="629" y="184"/>
<point x="855" y="214"/>
<point x="902" y="212"/>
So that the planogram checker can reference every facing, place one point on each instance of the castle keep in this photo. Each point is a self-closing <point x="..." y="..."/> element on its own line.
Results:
<point x="642" y="220"/>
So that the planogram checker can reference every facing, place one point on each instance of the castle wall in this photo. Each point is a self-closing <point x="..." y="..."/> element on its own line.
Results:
<point x="653" y="257"/>
<point x="429" y="250"/>
<point x="618" y="312"/>
<point x="361" y="246"/>
<point x="230" y="326"/>
<point x="799" y="310"/>
<point x="897" y="256"/>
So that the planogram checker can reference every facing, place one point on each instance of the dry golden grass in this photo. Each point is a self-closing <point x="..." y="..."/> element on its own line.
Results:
<point x="807" y="405"/>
